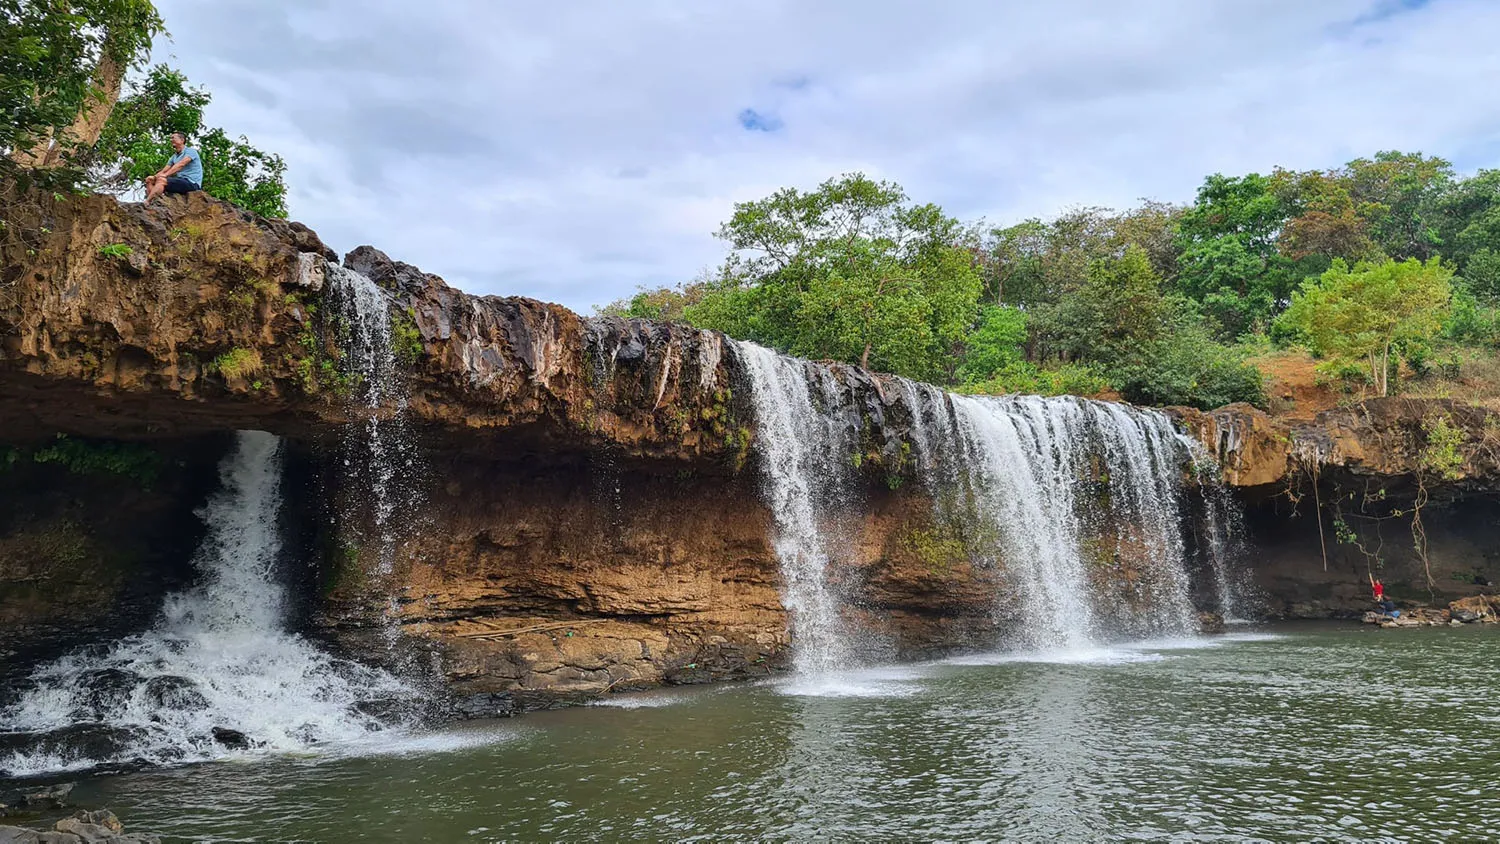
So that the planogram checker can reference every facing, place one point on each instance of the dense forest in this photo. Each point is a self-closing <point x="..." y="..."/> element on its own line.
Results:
<point x="1385" y="268"/>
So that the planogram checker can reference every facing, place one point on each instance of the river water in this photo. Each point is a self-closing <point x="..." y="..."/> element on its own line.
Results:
<point x="1289" y="733"/>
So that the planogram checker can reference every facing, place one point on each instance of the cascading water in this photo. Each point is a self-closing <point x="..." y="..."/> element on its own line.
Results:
<point x="218" y="659"/>
<point x="1056" y="480"/>
<point x="378" y="457"/>
<point x="1078" y="501"/>
<point x="1223" y="544"/>
<point x="804" y="450"/>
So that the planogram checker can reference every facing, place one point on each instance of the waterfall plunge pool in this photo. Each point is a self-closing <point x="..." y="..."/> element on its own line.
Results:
<point x="1290" y="732"/>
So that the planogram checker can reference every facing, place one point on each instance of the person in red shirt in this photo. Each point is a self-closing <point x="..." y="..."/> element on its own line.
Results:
<point x="1379" y="589"/>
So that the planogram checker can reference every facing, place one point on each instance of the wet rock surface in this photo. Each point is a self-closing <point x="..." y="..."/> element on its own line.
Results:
<point x="589" y="518"/>
<point x="83" y="827"/>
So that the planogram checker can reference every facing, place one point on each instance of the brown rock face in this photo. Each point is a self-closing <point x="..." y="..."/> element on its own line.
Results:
<point x="585" y="512"/>
<point x="585" y="518"/>
<point x="1389" y="440"/>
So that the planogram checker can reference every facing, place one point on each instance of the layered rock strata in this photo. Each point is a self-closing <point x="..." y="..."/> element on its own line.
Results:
<point x="584" y="515"/>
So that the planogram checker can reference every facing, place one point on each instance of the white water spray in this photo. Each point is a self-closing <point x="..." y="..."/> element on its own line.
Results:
<point x="218" y="658"/>
<point x="1078" y="501"/>
<point x="803" y="451"/>
<point x="377" y="455"/>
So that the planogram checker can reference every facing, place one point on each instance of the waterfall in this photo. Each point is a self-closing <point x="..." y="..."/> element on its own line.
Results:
<point x="218" y="659"/>
<point x="377" y="454"/>
<point x="1224" y="546"/>
<point x="1065" y="486"/>
<point x="804" y="458"/>
<point x="1077" y="502"/>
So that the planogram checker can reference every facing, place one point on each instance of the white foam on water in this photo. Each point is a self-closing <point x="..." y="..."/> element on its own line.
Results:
<point x="642" y="701"/>
<point x="886" y="681"/>
<point x="217" y="658"/>
<point x="1096" y="655"/>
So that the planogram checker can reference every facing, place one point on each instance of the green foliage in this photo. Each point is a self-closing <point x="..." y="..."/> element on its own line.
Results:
<point x="851" y="271"/>
<point x="1482" y="275"/>
<point x="1470" y="320"/>
<point x="116" y="250"/>
<point x="1186" y="366"/>
<point x="995" y="344"/>
<point x="1443" y="455"/>
<point x="48" y="55"/>
<point x="91" y="457"/>
<point x="237" y="363"/>
<point x="1153" y="302"/>
<point x="1364" y="312"/>
<point x="406" y="338"/>
<point x="1231" y="261"/>
<point x="136" y="142"/>
<point x="1023" y="377"/>
<point x="1399" y="194"/>
<point x="664" y="304"/>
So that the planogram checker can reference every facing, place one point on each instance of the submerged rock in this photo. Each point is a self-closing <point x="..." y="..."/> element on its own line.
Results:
<point x="174" y="693"/>
<point x="40" y="798"/>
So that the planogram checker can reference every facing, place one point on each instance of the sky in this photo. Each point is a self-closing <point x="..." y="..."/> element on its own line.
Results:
<point x="575" y="151"/>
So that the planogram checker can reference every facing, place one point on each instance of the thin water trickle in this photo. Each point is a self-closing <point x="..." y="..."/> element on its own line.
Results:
<point x="218" y="658"/>
<point x="377" y="456"/>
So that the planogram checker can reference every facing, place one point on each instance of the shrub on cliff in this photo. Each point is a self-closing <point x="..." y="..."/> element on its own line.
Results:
<point x="1363" y="313"/>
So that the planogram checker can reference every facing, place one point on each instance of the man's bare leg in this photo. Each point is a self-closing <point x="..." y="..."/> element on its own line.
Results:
<point x="155" y="186"/>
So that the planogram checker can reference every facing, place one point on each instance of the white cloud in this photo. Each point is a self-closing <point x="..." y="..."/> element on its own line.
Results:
<point x="575" y="151"/>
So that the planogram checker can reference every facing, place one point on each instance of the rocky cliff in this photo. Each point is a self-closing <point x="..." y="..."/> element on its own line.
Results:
<point x="1405" y="490"/>
<point x="581" y="514"/>
<point x="586" y="517"/>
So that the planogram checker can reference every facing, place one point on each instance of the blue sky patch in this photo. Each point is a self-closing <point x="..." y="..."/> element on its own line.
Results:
<point x="754" y="121"/>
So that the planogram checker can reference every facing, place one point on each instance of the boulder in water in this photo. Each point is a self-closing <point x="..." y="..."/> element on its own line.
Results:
<point x="232" y="739"/>
<point x="107" y="690"/>
<point x="100" y="817"/>
<point x="1210" y="622"/>
<point x="99" y="827"/>
<point x="39" y="798"/>
<point x="171" y="692"/>
<point x="99" y="743"/>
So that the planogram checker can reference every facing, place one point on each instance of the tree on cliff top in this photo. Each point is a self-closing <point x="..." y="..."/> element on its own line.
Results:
<point x="850" y="271"/>
<point x="61" y="66"/>
<point x="1362" y="313"/>
<point x="136" y="142"/>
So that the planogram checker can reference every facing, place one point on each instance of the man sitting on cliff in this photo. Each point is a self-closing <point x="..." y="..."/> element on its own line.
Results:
<point x="183" y="173"/>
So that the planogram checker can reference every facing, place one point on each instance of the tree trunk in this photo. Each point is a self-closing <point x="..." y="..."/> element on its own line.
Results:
<point x="88" y="124"/>
<point x="104" y="92"/>
<point x="1385" y="372"/>
<point x="864" y="359"/>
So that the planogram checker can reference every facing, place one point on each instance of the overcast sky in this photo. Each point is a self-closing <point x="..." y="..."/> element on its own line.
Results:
<point x="572" y="151"/>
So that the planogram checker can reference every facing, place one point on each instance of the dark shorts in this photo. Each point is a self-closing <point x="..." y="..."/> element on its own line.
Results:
<point x="177" y="184"/>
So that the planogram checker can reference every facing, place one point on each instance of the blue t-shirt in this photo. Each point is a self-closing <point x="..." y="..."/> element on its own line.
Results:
<point x="193" y="172"/>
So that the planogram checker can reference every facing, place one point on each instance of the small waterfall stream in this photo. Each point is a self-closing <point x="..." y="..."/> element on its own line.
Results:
<point x="219" y="658"/>
<point x="377" y="456"/>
